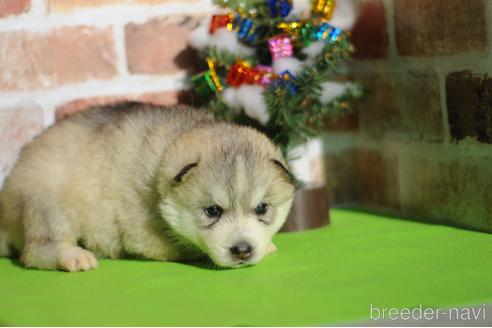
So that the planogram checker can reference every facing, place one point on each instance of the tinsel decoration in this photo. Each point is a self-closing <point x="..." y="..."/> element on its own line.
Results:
<point x="280" y="46"/>
<point x="279" y="8"/>
<point x="324" y="31"/>
<point x="306" y="33"/>
<point x="324" y="8"/>
<point x="213" y="74"/>
<point x="207" y="83"/>
<point x="294" y="29"/>
<point x="203" y="84"/>
<point x="328" y="33"/>
<point x="220" y="21"/>
<point x="242" y="73"/>
<point x="266" y="74"/>
<point x="248" y="31"/>
<point x="291" y="28"/>
<point x="245" y="28"/>
<point x="285" y="80"/>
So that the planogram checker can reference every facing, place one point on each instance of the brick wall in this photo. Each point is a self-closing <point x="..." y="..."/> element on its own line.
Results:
<point x="58" y="56"/>
<point x="421" y="143"/>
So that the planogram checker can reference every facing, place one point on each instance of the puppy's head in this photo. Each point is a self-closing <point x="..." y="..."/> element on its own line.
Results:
<point x="227" y="190"/>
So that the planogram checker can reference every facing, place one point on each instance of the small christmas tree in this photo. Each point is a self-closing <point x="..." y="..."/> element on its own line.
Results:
<point x="272" y="64"/>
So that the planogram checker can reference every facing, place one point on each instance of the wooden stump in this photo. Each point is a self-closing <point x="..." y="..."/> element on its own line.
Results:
<point x="310" y="209"/>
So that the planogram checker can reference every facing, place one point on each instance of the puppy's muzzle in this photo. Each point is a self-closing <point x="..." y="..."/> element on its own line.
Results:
<point x="241" y="251"/>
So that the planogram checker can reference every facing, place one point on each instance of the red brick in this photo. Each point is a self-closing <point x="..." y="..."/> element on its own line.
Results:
<point x="70" y="5"/>
<point x="348" y="122"/>
<point x="66" y="55"/>
<point x="419" y="102"/>
<point x="391" y="105"/>
<point x="369" y="35"/>
<point x="377" y="179"/>
<point x="17" y="127"/>
<point x="159" y="46"/>
<point x="156" y="98"/>
<point x="455" y="191"/>
<point x="469" y="102"/>
<point x="378" y="109"/>
<point x="13" y="7"/>
<point x="340" y="178"/>
<point x="440" y="27"/>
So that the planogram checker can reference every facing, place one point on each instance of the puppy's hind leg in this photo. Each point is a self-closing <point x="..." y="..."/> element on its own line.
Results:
<point x="50" y="241"/>
<point x="4" y="245"/>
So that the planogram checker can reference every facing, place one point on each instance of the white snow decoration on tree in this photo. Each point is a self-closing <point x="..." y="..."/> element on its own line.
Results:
<point x="248" y="98"/>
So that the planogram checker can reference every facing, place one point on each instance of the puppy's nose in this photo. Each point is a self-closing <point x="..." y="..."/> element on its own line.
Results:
<point x="241" y="251"/>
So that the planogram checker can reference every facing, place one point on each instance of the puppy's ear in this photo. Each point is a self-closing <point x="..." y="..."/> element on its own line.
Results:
<point x="184" y="171"/>
<point x="288" y="175"/>
<point x="178" y="162"/>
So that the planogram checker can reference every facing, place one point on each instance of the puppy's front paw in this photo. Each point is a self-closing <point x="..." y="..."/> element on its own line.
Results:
<point x="76" y="259"/>
<point x="271" y="249"/>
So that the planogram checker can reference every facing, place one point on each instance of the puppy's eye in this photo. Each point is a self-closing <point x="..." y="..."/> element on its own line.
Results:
<point x="261" y="209"/>
<point x="213" y="211"/>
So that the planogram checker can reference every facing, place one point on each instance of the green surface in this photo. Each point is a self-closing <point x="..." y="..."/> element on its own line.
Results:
<point x="321" y="276"/>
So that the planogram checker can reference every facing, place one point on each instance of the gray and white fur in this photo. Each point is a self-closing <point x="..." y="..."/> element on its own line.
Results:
<point x="163" y="183"/>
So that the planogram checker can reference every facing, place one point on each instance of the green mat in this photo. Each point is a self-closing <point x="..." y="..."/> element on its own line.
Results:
<point x="324" y="276"/>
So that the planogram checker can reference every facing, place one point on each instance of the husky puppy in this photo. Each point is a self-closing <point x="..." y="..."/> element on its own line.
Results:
<point x="163" y="183"/>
